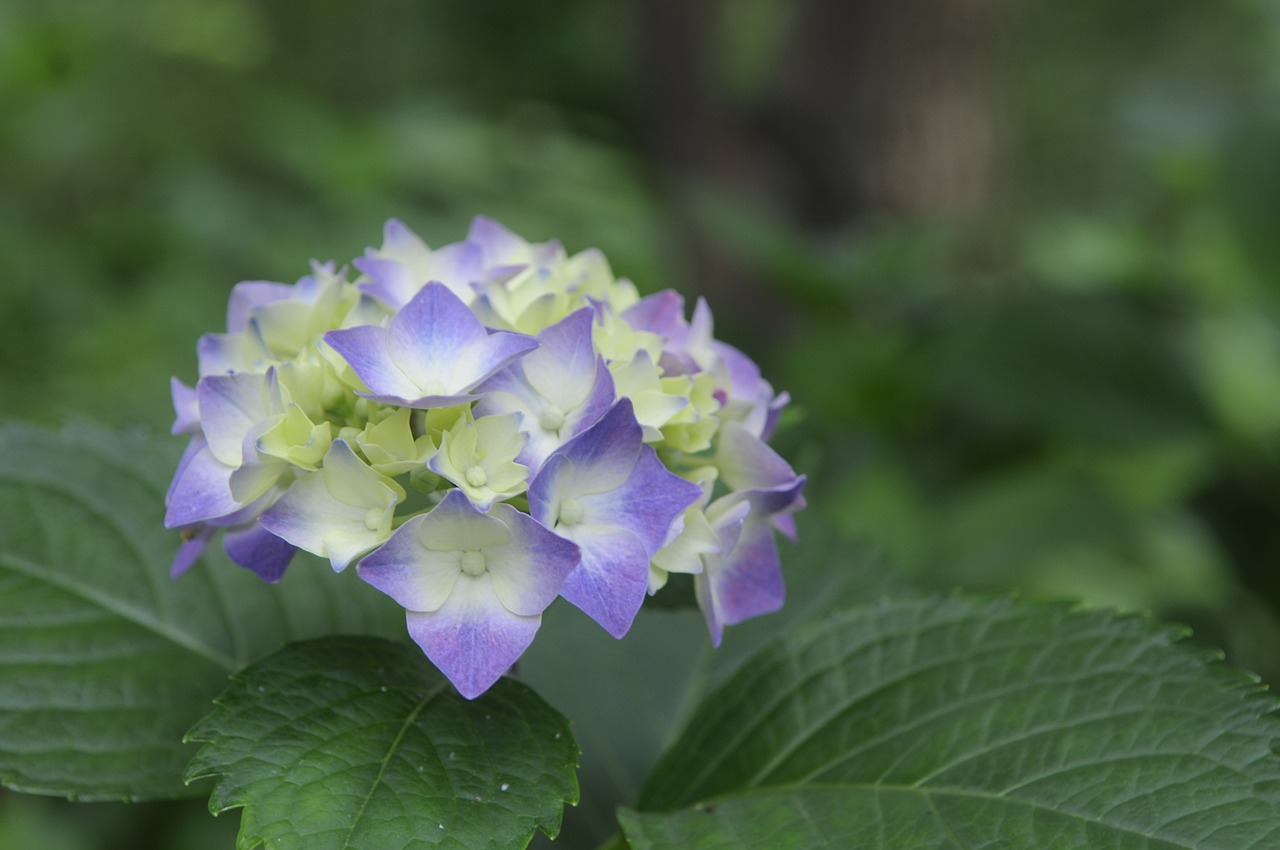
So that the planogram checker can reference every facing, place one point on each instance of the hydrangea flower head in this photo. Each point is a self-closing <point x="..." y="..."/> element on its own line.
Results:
<point x="481" y="428"/>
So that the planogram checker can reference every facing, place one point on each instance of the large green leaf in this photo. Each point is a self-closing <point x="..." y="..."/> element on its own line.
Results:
<point x="104" y="661"/>
<point x="344" y="743"/>
<point x="958" y="723"/>
<point x="628" y="698"/>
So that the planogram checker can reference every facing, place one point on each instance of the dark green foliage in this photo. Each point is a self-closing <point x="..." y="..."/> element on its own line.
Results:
<point x="958" y="723"/>
<point x="354" y="742"/>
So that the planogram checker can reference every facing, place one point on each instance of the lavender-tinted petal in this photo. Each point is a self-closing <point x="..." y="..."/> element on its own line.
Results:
<point x="390" y="282"/>
<point x="487" y="356"/>
<point x="418" y="578"/>
<point x="612" y="580"/>
<point x="398" y="239"/>
<point x="563" y="369"/>
<point x="744" y="374"/>
<point x="529" y="571"/>
<point x="661" y="313"/>
<point x="230" y="407"/>
<point x="249" y="294"/>
<point x="774" y="501"/>
<point x="500" y="245"/>
<point x="195" y="539"/>
<point x="365" y="350"/>
<point x="605" y="454"/>
<point x="646" y="504"/>
<point x="426" y="402"/>
<point x="427" y="335"/>
<point x="748" y="581"/>
<point x="201" y="489"/>
<point x="472" y="638"/>
<point x="259" y="551"/>
<point x="458" y="265"/>
<point x="218" y="354"/>
<point x="772" y="413"/>
<point x="186" y="408"/>
<point x="746" y="462"/>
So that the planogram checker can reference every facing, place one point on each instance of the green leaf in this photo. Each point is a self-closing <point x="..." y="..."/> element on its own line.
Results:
<point x="961" y="723"/>
<point x="104" y="661"/>
<point x="358" y="742"/>
<point x="643" y="688"/>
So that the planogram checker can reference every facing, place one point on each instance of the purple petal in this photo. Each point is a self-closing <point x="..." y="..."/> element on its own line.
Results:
<point x="260" y="551"/>
<point x="233" y="405"/>
<point x="185" y="406"/>
<point x="442" y="348"/>
<point x="612" y="579"/>
<point x="574" y="387"/>
<point x="391" y="281"/>
<point x="201" y="489"/>
<point x="602" y="457"/>
<point x="496" y="351"/>
<point x="249" y="294"/>
<point x="563" y="369"/>
<point x="420" y="562"/>
<point x="500" y="246"/>
<point x="424" y="338"/>
<point x="365" y="350"/>
<point x="529" y="572"/>
<point x="243" y="351"/>
<point x="646" y="504"/>
<point x="746" y="462"/>
<point x="472" y="638"/>
<point x="195" y="539"/>
<point x="661" y="313"/>
<point x="748" y="580"/>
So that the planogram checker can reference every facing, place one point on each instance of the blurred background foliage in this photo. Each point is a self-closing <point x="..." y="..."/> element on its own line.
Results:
<point x="1017" y="262"/>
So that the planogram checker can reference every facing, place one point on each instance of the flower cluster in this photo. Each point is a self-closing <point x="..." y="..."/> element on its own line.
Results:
<point x="484" y="427"/>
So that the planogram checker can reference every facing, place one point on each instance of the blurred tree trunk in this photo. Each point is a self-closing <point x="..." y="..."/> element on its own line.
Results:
<point x="874" y="107"/>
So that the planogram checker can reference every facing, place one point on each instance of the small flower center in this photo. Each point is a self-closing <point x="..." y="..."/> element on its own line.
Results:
<point x="373" y="518"/>
<point x="551" y="419"/>
<point x="570" y="512"/>
<point x="476" y="476"/>
<point x="473" y="562"/>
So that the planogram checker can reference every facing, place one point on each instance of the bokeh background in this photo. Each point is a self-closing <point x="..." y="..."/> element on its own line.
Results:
<point x="1017" y="261"/>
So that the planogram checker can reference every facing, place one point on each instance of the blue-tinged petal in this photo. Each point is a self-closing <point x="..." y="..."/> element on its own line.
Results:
<point x="746" y="462"/>
<point x="340" y="512"/>
<point x="242" y="351"/>
<point x="612" y="579"/>
<point x="646" y="504"/>
<point x="431" y="354"/>
<point x="421" y="562"/>
<point x="661" y="313"/>
<point x="574" y="388"/>
<point x="201" y="489"/>
<point x="501" y="247"/>
<point x="232" y="406"/>
<point x="186" y="408"/>
<point x="415" y="576"/>
<point x="427" y="335"/>
<point x="401" y="244"/>
<point x="529" y="571"/>
<point x="602" y="457"/>
<point x="365" y="350"/>
<point x="390" y="281"/>
<point x="195" y="539"/>
<point x="260" y="551"/>
<point x="249" y="294"/>
<point x="490" y="354"/>
<point x="472" y="638"/>
<point x="744" y="582"/>
<point x="563" y="369"/>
